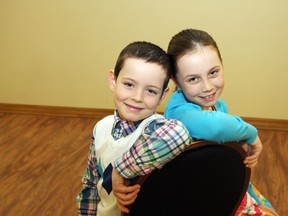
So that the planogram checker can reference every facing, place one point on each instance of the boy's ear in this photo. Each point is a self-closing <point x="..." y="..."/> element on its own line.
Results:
<point x="174" y="81"/>
<point x="164" y="94"/>
<point x="111" y="80"/>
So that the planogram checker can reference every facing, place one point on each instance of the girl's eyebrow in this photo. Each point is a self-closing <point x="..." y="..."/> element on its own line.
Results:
<point x="211" y="69"/>
<point x="190" y="75"/>
<point x="215" y="67"/>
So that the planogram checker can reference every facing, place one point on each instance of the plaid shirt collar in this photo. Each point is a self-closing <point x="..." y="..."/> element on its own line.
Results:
<point x="122" y="127"/>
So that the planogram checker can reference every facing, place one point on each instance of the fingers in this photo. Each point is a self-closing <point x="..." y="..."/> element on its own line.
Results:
<point x="246" y="147"/>
<point x="253" y="153"/>
<point x="127" y="202"/>
<point x="251" y="165"/>
<point x="251" y="158"/>
<point x="124" y="200"/>
<point x="122" y="208"/>
<point x="251" y="161"/>
<point x="126" y="189"/>
<point x="127" y="195"/>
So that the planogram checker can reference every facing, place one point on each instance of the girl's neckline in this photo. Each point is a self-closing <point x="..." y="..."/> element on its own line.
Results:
<point x="212" y="108"/>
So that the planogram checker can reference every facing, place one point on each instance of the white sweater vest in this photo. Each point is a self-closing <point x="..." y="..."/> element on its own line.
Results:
<point x="107" y="151"/>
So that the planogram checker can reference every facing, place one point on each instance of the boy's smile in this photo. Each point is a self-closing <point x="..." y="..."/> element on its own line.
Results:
<point x="137" y="89"/>
<point x="133" y="108"/>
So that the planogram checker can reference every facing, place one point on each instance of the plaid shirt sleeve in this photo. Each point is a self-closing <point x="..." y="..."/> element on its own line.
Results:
<point x="162" y="140"/>
<point x="88" y="198"/>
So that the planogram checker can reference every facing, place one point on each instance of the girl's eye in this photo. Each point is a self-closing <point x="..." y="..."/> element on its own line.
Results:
<point x="213" y="73"/>
<point x="193" y="79"/>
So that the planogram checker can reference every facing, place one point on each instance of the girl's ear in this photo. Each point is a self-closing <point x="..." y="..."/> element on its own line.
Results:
<point x="111" y="80"/>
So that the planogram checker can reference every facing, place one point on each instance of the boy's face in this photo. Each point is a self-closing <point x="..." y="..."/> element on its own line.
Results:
<point x="138" y="89"/>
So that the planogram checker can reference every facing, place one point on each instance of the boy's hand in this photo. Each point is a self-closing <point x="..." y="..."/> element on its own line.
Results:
<point x="125" y="195"/>
<point x="253" y="153"/>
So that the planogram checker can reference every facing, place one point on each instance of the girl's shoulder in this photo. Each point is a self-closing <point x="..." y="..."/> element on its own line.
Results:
<point x="221" y="106"/>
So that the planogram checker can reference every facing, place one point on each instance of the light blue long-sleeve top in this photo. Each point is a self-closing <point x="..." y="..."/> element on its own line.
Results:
<point x="217" y="126"/>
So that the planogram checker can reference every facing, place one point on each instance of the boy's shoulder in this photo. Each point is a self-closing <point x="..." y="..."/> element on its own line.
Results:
<point x="107" y="120"/>
<point x="165" y="124"/>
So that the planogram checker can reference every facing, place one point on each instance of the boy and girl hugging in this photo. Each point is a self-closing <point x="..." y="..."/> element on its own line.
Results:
<point x="136" y="140"/>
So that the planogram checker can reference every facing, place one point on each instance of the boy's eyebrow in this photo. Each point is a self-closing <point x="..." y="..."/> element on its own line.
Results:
<point x="152" y="86"/>
<point x="133" y="80"/>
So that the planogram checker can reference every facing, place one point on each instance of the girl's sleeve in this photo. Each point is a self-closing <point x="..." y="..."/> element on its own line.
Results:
<point x="214" y="126"/>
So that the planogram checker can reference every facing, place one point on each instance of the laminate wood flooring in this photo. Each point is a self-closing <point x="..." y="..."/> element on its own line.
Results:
<point x="42" y="162"/>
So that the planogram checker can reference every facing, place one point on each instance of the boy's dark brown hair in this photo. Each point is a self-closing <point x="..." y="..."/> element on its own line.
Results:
<point x="145" y="51"/>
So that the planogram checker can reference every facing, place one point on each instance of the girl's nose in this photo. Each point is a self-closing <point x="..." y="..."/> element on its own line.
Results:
<point x="207" y="86"/>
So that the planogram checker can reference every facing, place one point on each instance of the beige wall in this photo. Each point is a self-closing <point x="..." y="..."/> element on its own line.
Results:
<point x="58" y="52"/>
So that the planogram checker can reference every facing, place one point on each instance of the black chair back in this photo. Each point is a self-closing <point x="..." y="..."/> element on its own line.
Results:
<point x="207" y="179"/>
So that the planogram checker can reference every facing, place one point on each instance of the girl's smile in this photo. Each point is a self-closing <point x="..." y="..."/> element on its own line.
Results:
<point x="200" y="75"/>
<point x="208" y="98"/>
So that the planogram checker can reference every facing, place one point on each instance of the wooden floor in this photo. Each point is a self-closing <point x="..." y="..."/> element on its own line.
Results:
<point x="270" y="175"/>
<point x="42" y="162"/>
<point x="43" y="158"/>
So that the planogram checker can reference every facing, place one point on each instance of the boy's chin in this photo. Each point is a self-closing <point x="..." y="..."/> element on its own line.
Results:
<point x="135" y="117"/>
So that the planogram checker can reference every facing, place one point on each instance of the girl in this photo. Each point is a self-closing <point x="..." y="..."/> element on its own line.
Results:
<point x="198" y="74"/>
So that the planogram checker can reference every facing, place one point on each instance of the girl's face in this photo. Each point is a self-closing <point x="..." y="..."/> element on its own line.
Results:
<point x="138" y="89"/>
<point x="200" y="76"/>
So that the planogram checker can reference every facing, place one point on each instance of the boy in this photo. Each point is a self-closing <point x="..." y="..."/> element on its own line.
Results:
<point x="139" y="83"/>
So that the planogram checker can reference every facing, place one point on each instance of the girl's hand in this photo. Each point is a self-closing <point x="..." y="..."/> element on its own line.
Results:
<point x="253" y="154"/>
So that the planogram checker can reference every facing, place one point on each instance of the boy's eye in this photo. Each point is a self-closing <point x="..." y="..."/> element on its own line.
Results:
<point x="151" y="91"/>
<point x="128" y="84"/>
<point x="193" y="79"/>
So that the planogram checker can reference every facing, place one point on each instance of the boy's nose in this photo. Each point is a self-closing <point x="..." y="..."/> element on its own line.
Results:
<point x="137" y="96"/>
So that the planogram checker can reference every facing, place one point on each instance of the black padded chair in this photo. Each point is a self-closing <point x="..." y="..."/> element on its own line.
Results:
<point x="207" y="179"/>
